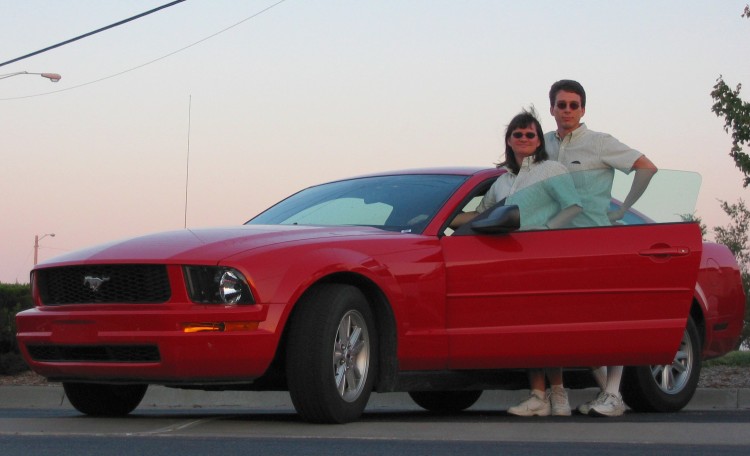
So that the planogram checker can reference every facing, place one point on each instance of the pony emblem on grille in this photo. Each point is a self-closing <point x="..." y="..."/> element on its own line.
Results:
<point x="94" y="282"/>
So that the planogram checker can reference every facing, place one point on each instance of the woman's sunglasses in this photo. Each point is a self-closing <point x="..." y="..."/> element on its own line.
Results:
<point x="519" y="135"/>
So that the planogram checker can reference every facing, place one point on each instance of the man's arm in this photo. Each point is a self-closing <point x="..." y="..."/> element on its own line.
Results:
<point x="644" y="171"/>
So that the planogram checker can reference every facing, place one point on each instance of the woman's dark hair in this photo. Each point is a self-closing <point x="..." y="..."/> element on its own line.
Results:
<point x="567" y="85"/>
<point x="525" y="119"/>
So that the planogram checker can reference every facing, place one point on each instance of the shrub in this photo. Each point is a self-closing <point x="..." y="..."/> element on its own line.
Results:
<point x="13" y="299"/>
<point x="12" y="363"/>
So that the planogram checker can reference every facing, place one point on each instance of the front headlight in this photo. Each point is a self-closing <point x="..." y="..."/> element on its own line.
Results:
<point x="217" y="285"/>
<point x="231" y="287"/>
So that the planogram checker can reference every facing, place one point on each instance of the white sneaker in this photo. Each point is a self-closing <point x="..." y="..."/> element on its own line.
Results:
<point x="584" y="408"/>
<point x="533" y="406"/>
<point x="559" y="404"/>
<point x="608" y="404"/>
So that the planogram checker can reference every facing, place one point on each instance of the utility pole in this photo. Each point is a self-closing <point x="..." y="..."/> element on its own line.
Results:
<point x="36" y="245"/>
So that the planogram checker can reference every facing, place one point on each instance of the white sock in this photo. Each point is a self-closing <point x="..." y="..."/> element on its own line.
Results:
<point x="614" y="376"/>
<point x="600" y="375"/>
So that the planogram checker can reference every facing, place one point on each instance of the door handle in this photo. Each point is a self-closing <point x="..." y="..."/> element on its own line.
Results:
<point x="665" y="251"/>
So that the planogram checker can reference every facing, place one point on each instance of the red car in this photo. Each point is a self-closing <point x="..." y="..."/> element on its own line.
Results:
<point x="359" y="285"/>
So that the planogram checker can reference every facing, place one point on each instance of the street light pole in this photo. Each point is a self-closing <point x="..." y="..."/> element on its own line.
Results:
<point x="36" y="244"/>
<point x="54" y="77"/>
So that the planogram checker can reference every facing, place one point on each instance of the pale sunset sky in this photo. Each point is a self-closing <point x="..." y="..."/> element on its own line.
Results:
<point x="313" y="90"/>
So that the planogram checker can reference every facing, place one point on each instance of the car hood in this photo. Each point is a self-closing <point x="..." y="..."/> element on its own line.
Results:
<point x="204" y="245"/>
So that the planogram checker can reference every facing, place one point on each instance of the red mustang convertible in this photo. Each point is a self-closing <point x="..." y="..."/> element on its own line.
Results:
<point x="360" y="285"/>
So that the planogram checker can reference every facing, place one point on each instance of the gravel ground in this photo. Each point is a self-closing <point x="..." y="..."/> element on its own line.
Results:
<point x="24" y="378"/>
<point x="730" y="377"/>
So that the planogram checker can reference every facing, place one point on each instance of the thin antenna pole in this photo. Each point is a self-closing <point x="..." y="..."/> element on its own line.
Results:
<point x="187" y="160"/>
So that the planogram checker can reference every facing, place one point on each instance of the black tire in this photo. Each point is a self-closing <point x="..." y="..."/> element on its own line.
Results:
<point x="104" y="400"/>
<point x="666" y="388"/>
<point x="331" y="354"/>
<point x="445" y="401"/>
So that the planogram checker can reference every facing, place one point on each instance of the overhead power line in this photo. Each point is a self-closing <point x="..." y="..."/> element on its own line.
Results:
<point x="138" y="16"/>
<point x="253" y="16"/>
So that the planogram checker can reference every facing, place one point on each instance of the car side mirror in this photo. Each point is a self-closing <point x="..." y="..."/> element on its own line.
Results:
<point x="500" y="219"/>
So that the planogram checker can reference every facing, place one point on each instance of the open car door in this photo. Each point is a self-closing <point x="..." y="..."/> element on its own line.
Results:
<point x="598" y="295"/>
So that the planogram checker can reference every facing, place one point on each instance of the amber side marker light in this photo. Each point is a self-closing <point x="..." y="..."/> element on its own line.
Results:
<point x="219" y="326"/>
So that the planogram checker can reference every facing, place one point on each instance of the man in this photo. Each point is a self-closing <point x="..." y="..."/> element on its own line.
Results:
<point x="598" y="154"/>
<point x="592" y="158"/>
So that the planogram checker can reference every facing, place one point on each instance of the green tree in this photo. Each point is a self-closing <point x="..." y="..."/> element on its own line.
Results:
<point x="694" y="218"/>
<point x="736" y="114"/>
<point x="735" y="237"/>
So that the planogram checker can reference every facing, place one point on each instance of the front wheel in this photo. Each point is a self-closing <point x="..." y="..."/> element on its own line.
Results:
<point x="666" y="388"/>
<point x="104" y="400"/>
<point x="331" y="354"/>
<point x="445" y="401"/>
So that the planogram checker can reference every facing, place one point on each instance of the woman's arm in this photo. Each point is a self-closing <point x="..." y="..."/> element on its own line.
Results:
<point x="564" y="217"/>
<point x="462" y="218"/>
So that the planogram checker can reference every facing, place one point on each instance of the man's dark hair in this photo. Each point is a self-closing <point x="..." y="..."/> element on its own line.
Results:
<point x="567" y="85"/>
<point x="525" y="119"/>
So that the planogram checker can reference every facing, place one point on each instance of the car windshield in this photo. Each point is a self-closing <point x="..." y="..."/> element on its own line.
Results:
<point x="404" y="203"/>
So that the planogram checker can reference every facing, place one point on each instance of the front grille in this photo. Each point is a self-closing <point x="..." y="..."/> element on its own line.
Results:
<point x="95" y="353"/>
<point x="127" y="283"/>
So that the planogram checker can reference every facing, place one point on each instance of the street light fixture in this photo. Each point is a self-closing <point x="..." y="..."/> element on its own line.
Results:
<point x="36" y="244"/>
<point x="54" y="77"/>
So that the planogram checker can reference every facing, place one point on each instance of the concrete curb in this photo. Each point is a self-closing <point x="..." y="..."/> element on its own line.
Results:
<point x="159" y="397"/>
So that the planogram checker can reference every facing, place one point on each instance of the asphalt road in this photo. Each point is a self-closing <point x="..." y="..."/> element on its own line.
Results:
<point x="39" y="421"/>
<point x="384" y="431"/>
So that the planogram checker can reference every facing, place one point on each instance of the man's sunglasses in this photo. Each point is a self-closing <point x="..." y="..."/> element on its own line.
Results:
<point x="573" y="105"/>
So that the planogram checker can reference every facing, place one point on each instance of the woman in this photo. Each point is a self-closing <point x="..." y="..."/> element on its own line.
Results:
<point x="549" y="199"/>
<point x="546" y="196"/>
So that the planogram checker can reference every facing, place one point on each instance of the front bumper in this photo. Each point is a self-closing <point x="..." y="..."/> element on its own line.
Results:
<point x="147" y="345"/>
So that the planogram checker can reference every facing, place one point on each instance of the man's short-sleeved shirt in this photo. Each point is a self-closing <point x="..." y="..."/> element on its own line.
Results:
<point x="591" y="157"/>
<point x="540" y="190"/>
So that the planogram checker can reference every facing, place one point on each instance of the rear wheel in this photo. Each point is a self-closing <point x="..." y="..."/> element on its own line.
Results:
<point x="104" y="400"/>
<point x="331" y="357"/>
<point x="666" y="388"/>
<point x="445" y="401"/>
